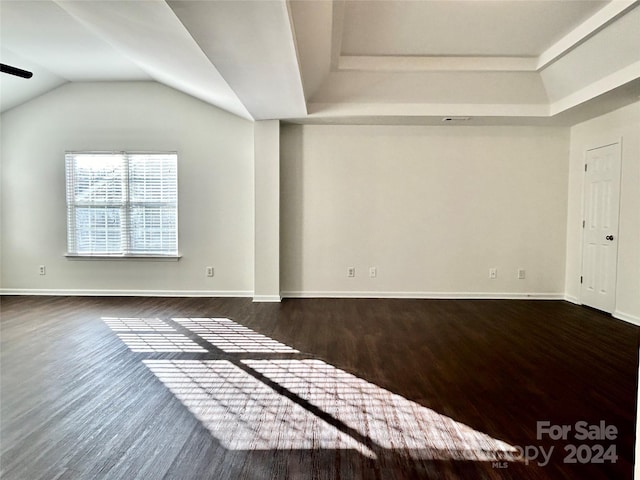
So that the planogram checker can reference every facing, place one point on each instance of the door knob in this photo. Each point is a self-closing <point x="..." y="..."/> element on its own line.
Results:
<point x="609" y="237"/>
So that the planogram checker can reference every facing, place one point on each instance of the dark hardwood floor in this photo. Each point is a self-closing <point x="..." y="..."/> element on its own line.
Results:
<point x="150" y="388"/>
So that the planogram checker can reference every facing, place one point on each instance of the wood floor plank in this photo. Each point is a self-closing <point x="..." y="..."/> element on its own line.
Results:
<point x="77" y="402"/>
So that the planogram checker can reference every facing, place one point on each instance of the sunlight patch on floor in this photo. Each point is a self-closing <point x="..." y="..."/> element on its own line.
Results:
<point x="231" y="337"/>
<point x="389" y="420"/>
<point x="160" y="342"/>
<point x="295" y="403"/>
<point x="137" y="325"/>
<point x="245" y="414"/>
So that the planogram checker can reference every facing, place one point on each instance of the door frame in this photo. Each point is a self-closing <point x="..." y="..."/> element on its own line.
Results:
<point x="604" y="142"/>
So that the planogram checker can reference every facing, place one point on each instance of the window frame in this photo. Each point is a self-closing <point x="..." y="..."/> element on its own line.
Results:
<point x="125" y="206"/>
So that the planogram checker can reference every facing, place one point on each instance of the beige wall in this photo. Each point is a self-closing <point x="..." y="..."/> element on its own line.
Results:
<point x="433" y="208"/>
<point x="621" y="125"/>
<point x="215" y="169"/>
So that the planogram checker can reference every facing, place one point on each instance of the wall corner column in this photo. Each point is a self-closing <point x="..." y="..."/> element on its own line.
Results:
<point x="266" y="287"/>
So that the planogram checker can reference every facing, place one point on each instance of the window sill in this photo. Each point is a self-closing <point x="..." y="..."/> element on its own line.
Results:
<point x="150" y="258"/>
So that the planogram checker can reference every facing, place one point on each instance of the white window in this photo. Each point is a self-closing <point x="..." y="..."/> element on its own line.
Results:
<point x="122" y="204"/>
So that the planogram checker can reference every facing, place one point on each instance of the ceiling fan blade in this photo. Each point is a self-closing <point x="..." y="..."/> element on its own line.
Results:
<point x="18" y="72"/>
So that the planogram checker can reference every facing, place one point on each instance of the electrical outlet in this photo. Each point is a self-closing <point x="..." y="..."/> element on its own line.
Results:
<point x="493" y="273"/>
<point x="42" y="269"/>
<point x="209" y="271"/>
<point x="373" y="272"/>
<point x="351" y="272"/>
<point x="521" y="274"/>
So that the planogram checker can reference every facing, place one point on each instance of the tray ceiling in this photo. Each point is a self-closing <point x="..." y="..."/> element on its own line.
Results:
<point x="346" y="61"/>
<point x="460" y="28"/>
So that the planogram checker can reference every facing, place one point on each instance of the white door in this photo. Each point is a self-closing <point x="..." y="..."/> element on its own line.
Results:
<point x="600" y="233"/>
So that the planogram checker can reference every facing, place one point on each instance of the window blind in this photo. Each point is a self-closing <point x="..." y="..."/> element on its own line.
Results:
<point x="122" y="204"/>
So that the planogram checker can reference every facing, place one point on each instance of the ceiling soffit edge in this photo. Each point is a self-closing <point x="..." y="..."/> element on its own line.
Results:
<point x="429" y="63"/>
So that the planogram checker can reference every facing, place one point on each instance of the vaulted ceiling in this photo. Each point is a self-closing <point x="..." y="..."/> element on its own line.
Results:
<point x="353" y="61"/>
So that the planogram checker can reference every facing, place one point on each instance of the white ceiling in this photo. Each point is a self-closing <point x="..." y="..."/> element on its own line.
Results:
<point x="466" y="28"/>
<point x="343" y="61"/>
<point x="46" y="35"/>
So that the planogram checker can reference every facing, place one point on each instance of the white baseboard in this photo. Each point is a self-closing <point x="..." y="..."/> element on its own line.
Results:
<point x="267" y="298"/>
<point x="425" y="295"/>
<point x="572" y="299"/>
<point x="627" y="317"/>
<point x="126" y="293"/>
<point x="304" y="294"/>
<point x="633" y="319"/>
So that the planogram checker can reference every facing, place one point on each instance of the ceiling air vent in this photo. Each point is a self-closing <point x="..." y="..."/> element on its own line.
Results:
<point x="455" y="119"/>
